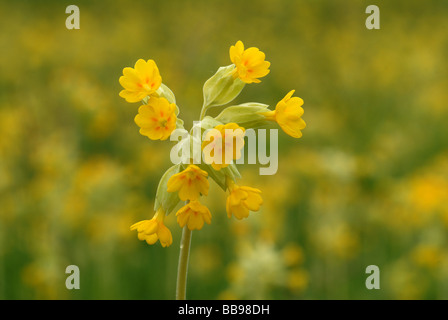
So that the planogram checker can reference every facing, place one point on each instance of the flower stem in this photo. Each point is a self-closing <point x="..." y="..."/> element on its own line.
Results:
<point x="182" y="269"/>
<point x="203" y="111"/>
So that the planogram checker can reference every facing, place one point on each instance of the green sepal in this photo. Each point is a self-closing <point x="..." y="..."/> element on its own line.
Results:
<point x="167" y="200"/>
<point x="166" y="93"/>
<point x="209" y="123"/>
<point x="180" y="124"/>
<point x="222" y="87"/>
<point x="231" y="171"/>
<point x="218" y="176"/>
<point x="247" y="115"/>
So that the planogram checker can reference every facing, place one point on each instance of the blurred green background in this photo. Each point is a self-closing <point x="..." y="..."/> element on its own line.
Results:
<point x="366" y="185"/>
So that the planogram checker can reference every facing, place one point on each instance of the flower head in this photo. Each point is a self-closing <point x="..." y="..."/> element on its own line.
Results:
<point x="193" y="214"/>
<point x="287" y="114"/>
<point x="154" y="229"/>
<point x="157" y="119"/>
<point x="223" y="144"/>
<point x="250" y="64"/>
<point x="241" y="200"/>
<point x="191" y="183"/>
<point x="141" y="81"/>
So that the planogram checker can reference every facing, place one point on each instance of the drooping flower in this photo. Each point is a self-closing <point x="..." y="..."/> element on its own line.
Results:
<point x="193" y="215"/>
<point x="250" y="64"/>
<point x="241" y="200"/>
<point x="157" y="119"/>
<point x="154" y="229"/>
<point x="223" y="144"/>
<point x="288" y="114"/>
<point x="141" y="81"/>
<point x="191" y="183"/>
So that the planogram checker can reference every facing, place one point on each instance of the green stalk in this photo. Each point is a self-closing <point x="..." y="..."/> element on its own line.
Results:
<point x="182" y="269"/>
<point x="203" y="111"/>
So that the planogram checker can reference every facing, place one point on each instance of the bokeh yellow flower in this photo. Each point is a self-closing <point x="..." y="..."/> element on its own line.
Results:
<point x="219" y="151"/>
<point x="154" y="229"/>
<point x="193" y="214"/>
<point x="157" y="119"/>
<point x="297" y="279"/>
<point x="141" y="81"/>
<point x="429" y="256"/>
<point x="250" y="64"/>
<point x="288" y="114"/>
<point x="191" y="183"/>
<point x="241" y="200"/>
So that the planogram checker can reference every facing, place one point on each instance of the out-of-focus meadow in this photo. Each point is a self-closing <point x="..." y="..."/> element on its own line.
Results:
<point x="367" y="184"/>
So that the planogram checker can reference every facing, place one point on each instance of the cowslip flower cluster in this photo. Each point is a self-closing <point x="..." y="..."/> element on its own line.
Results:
<point x="187" y="181"/>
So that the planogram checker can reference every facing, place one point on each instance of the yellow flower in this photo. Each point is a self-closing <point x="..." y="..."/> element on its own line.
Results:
<point x="241" y="200"/>
<point x="429" y="256"/>
<point x="193" y="214"/>
<point x="157" y="119"/>
<point x="154" y="229"/>
<point x="141" y="81"/>
<point x="287" y="114"/>
<point x="190" y="183"/>
<point x="250" y="63"/>
<point x="219" y="151"/>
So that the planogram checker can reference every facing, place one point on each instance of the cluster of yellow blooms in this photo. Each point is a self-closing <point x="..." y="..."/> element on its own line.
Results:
<point x="158" y="118"/>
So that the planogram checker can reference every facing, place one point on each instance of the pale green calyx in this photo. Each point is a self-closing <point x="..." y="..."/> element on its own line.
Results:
<point x="166" y="92"/>
<point x="222" y="87"/>
<point x="247" y="115"/>
<point x="167" y="200"/>
<point x="209" y="123"/>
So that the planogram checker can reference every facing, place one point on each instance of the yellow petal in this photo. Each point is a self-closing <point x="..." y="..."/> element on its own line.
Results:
<point x="131" y="75"/>
<point x="239" y="211"/>
<point x="151" y="227"/>
<point x="128" y="84"/>
<point x="153" y="134"/>
<point x="288" y="95"/>
<point x="131" y="96"/>
<point x="253" y="201"/>
<point x="183" y="215"/>
<point x="165" y="237"/>
<point x="236" y="196"/>
<point x="188" y="192"/>
<point x="236" y="51"/>
<point x="207" y="216"/>
<point x="195" y="222"/>
<point x="141" y="236"/>
<point x="175" y="182"/>
<point x="151" y="239"/>
<point x="135" y="225"/>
